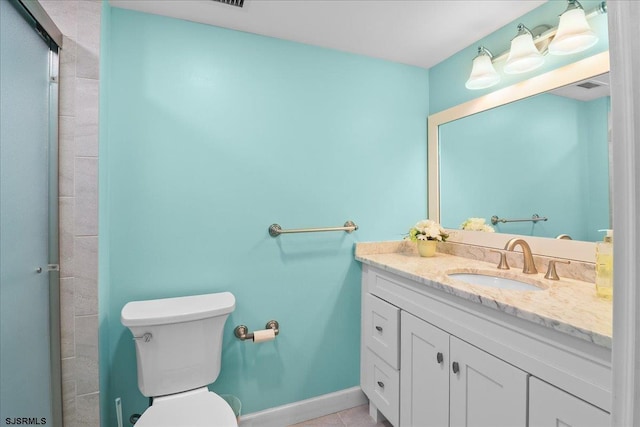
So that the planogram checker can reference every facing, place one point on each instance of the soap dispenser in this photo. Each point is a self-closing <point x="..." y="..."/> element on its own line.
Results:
<point x="604" y="266"/>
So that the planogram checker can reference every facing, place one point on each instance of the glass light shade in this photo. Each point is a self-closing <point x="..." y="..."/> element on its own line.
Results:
<point x="483" y="75"/>
<point x="523" y="55"/>
<point x="573" y="35"/>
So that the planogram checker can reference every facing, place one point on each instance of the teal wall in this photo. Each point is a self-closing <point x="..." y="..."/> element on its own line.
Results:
<point x="554" y="164"/>
<point x="598" y="207"/>
<point x="447" y="79"/>
<point x="211" y="135"/>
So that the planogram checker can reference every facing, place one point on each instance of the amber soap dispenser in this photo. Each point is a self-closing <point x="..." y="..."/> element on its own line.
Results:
<point x="604" y="266"/>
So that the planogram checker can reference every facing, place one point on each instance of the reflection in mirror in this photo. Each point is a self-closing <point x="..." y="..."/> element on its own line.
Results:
<point x="545" y="155"/>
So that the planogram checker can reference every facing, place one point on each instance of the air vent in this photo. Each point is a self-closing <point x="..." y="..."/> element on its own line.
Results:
<point x="237" y="3"/>
<point x="588" y="85"/>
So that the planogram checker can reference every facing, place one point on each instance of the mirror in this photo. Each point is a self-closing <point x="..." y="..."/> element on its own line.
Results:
<point x="481" y="164"/>
<point x="545" y="155"/>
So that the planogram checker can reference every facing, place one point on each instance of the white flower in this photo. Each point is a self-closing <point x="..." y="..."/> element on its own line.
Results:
<point x="476" y="224"/>
<point x="428" y="230"/>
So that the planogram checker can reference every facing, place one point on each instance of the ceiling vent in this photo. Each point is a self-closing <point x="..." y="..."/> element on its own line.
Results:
<point x="237" y="3"/>
<point x="588" y="85"/>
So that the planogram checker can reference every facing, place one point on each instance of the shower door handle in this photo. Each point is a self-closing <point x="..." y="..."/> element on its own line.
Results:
<point x="50" y="267"/>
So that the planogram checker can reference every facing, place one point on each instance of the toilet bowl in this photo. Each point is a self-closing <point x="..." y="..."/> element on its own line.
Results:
<point x="178" y="345"/>
<point x="196" y="408"/>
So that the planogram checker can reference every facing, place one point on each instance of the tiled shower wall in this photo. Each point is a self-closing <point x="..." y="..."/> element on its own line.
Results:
<point x="79" y="22"/>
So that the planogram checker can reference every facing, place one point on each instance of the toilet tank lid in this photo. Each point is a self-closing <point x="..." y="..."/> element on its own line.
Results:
<point x="176" y="310"/>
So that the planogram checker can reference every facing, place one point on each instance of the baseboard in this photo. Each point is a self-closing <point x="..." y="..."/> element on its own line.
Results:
<point x="304" y="410"/>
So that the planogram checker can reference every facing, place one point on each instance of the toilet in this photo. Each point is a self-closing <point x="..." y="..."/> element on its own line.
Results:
<point x="178" y="351"/>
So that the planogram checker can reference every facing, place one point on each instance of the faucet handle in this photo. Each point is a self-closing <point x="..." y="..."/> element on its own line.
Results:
<point x="502" y="265"/>
<point x="551" y="269"/>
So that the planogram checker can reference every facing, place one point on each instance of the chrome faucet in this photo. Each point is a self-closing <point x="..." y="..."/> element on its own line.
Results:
<point x="529" y="265"/>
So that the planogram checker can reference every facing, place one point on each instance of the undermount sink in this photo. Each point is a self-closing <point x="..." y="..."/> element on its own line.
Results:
<point x="494" y="281"/>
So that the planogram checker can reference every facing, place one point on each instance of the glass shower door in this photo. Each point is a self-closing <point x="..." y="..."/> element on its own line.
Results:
<point x="25" y="347"/>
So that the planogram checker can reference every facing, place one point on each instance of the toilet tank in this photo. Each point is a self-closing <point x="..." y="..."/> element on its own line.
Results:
<point x="178" y="340"/>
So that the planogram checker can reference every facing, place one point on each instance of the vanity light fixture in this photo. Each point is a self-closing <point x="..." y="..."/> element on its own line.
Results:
<point x="574" y="33"/>
<point x="523" y="55"/>
<point x="483" y="75"/>
<point x="528" y="47"/>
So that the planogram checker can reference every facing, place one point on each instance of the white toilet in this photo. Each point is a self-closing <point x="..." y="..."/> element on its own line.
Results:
<point x="178" y="349"/>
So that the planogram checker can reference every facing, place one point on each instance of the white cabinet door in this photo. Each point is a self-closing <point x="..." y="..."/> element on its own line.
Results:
<point x="551" y="407"/>
<point x="484" y="390"/>
<point x="424" y="374"/>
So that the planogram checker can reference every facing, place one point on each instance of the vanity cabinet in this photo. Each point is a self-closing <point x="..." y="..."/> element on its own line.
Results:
<point x="446" y="381"/>
<point x="429" y="358"/>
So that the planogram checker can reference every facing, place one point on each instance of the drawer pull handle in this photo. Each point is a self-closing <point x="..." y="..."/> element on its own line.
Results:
<point x="379" y="328"/>
<point x="455" y="367"/>
<point x="439" y="357"/>
<point x="380" y="384"/>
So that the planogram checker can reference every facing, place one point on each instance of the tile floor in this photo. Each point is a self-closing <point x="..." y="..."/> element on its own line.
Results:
<point x="354" y="417"/>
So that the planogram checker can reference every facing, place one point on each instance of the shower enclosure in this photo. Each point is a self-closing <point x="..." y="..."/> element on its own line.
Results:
<point x="29" y="278"/>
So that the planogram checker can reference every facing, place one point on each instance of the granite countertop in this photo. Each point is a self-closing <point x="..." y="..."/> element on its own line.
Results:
<point x="567" y="305"/>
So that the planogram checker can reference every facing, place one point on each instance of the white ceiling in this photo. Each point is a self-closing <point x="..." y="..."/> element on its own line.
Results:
<point x="597" y="87"/>
<point x="415" y="32"/>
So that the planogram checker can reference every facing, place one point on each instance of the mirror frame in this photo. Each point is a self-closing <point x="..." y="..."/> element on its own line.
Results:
<point x="568" y="74"/>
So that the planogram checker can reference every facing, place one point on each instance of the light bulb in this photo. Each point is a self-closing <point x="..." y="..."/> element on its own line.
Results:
<point x="483" y="74"/>
<point x="574" y="33"/>
<point x="523" y="55"/>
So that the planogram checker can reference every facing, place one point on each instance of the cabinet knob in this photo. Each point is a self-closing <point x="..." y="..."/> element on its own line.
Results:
<point x="439" y="357"/>
<point x="379" y="328"/>
<point x="380" y="384"/>
<point x="455" y="367"/>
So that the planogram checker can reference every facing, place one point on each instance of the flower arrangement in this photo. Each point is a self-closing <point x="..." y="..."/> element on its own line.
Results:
<point x="476" y="224"/>
<point x="427" y="230"/>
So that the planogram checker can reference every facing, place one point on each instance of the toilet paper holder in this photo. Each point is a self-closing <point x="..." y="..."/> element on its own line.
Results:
<point x="242" y="332"/>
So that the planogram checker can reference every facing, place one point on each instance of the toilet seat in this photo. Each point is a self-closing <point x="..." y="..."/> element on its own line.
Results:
<point x="195" y="408"/>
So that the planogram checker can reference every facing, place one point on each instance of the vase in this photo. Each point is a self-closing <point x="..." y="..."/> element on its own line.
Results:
<point x="426" y="248"/>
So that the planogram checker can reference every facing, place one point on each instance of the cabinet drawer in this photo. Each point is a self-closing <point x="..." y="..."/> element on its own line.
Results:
<point x="549" y="407"/>
<point x="382" y="386"/>
<point x="381" y="329"/>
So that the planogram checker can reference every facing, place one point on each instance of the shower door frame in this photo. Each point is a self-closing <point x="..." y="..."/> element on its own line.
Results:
<point x="54" y="252"/>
